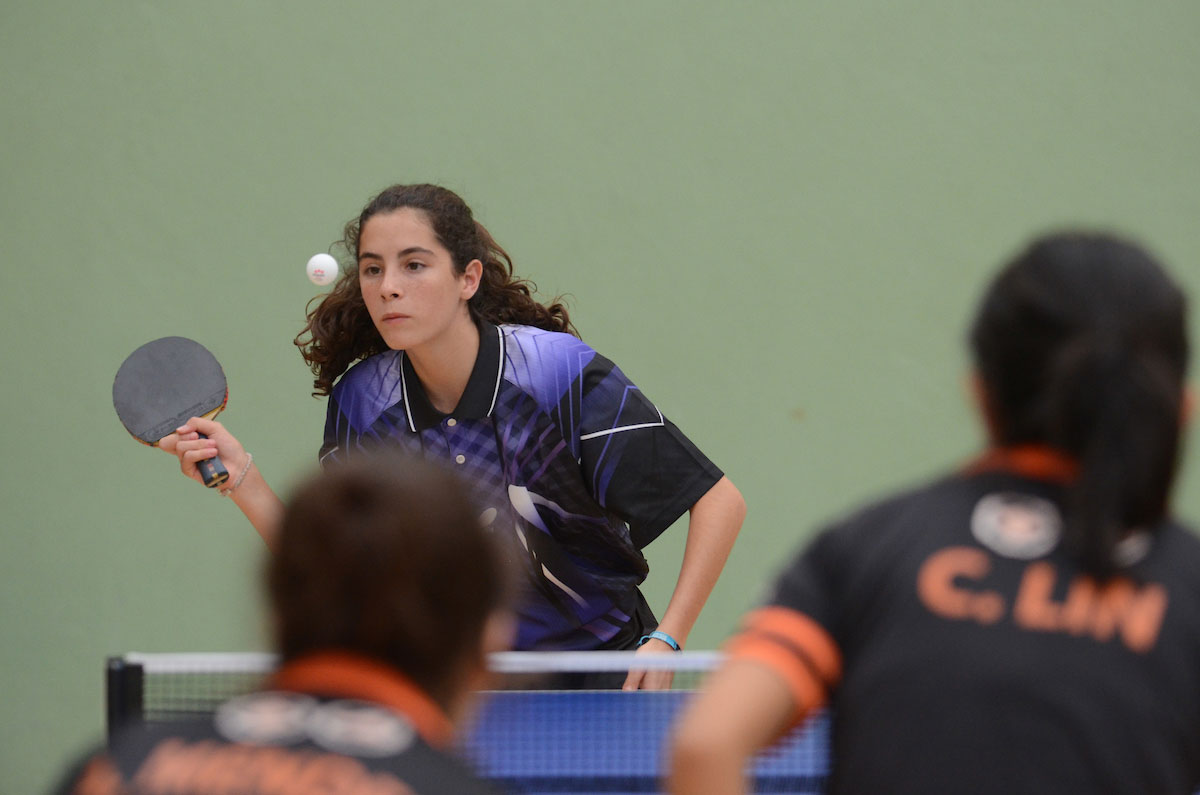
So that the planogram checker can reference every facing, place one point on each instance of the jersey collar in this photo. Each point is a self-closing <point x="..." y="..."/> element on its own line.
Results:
<point x="1032" y="461"/>
<point x="479" y="398"/>
<point x="347" y="675"/>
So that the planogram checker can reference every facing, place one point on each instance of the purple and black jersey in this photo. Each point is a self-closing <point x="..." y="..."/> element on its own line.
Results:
<point x="569" y="460"/>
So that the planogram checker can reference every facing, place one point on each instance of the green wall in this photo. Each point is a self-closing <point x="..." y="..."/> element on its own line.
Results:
<point x="775" y="216"/>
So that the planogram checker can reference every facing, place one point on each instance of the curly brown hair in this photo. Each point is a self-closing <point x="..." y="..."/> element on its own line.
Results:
<point x="339" y="330"/>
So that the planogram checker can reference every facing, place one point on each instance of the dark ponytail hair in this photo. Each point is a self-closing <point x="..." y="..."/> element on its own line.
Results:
<point x="1081" y="344"/>
<point x="339" y="329"/>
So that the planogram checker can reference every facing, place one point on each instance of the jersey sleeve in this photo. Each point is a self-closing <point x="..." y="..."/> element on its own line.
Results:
<point x="357" y="404"/>
<point x="795" y="632"/>
<point x="636" y="462"/>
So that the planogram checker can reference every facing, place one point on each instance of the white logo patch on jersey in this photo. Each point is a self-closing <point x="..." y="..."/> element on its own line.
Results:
<point x="1016" y="526"/>
<point x="359" y="729"/>
<point x="265" y="718"/>
<point x="346" y="727"/>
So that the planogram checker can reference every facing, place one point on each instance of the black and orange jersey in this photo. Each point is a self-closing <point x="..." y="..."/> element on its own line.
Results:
<point x="329" y="724"/>
<point x="961" y="649"/>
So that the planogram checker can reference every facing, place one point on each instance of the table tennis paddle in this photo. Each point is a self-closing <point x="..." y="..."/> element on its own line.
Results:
<point x="163" y="384"/>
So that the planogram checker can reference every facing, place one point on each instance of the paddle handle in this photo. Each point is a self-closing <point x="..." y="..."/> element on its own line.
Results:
<point x="212" y="470"/>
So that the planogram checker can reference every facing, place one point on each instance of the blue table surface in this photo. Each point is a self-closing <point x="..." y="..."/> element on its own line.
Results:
<point x="613" y="741"/>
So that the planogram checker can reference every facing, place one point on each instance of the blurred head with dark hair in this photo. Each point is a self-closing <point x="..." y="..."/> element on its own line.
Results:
<point x="1081" y="345"/>
<point x="385" y="556"/>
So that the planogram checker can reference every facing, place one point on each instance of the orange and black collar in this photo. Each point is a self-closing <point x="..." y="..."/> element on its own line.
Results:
<point x="1032" y="461"/>
<point x="347" y="675"/>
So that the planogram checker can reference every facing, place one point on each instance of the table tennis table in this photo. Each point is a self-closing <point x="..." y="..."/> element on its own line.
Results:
<point x="611" y="741"/>
<point x="528" y="741"/>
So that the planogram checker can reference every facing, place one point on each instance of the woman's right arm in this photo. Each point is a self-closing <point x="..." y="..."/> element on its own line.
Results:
<point x="246" y="486"/>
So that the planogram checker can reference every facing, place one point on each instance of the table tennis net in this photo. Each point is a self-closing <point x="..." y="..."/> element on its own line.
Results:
<point x="529" y="735"/>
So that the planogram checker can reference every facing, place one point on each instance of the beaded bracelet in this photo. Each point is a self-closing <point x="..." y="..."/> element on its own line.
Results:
<point x="664" y="637"/>
<point x="240" y="478"/>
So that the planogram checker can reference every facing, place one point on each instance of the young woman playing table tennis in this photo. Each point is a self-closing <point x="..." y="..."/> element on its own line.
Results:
<point x="430" y="344"/>
<point x="1030" y="624"/>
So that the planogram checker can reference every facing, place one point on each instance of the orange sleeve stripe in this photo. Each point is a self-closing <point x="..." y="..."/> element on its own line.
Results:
<point x="808" y="692"/>
<point x="800" y="632"/>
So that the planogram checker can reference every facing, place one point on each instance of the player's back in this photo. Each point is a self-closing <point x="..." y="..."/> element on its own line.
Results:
<point x="978" y="658"/>
<point x="271" y="743"/>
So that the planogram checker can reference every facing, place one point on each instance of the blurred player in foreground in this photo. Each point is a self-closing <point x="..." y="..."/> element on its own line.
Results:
<point x="387" y="595"/>
<point x="1030" y="624"/>
<point x="437" y="348"/>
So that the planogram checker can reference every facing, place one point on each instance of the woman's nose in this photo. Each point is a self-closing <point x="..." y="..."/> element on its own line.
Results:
<point x="391" y="286"/>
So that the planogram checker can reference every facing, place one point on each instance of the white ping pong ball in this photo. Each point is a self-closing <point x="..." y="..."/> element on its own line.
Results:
<point x="322" y="269"/>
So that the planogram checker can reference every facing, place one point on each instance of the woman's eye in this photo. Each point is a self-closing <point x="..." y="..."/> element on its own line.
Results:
<point x="370" y="270"/>
<point x="414" y="265"/>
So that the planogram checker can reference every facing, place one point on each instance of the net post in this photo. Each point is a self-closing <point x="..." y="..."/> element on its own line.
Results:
<point x="123" y="693"/>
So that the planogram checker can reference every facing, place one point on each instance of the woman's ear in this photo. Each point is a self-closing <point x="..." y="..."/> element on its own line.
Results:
<point x="471" y="277"/>
<point x="500" y="631"/>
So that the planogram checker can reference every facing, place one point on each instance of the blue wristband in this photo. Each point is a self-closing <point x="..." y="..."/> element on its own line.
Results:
<point x="664" y="637"/>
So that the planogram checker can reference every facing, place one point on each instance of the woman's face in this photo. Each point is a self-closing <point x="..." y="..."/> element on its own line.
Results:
<point x="408" y="280"/>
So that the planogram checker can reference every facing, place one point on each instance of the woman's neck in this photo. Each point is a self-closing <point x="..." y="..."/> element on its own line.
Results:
<point x="444" y="364"/>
